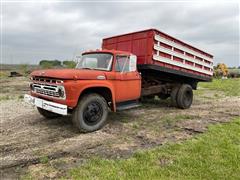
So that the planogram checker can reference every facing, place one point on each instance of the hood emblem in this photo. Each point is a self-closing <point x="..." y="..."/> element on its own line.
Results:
<point x="101" y="77"/>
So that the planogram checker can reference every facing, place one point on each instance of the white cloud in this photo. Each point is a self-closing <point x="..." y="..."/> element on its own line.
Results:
<point x="35" y="31"/>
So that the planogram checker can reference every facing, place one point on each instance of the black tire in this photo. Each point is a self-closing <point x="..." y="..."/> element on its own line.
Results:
<point x="91" y="113"/>
<point x="47" y="114"/>
<point x="185" y="96"/>
<point x="173" y="95"/>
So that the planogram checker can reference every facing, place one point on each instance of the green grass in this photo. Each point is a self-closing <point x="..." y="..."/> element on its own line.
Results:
<point x="3" y="74"/>
<point x="3" y="98"/>
<point x="44" y="159"/>
<point x="212" y="155"/>
<point x="230" y="87"/>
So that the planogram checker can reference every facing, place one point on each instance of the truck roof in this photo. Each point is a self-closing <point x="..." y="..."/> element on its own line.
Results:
<point x="175" y="39"/>
<point x="107" y="51"/>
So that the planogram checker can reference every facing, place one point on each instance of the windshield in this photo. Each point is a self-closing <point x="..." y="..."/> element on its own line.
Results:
<point x="98" y="61"/>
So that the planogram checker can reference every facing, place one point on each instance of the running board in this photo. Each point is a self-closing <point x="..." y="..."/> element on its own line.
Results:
<point x="127" y="105"/>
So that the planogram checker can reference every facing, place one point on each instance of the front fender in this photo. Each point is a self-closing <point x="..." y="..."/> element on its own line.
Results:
<point x="75" y="88"/>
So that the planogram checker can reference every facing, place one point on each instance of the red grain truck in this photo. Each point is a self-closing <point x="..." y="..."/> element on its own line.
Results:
<point x="129" y="67"/>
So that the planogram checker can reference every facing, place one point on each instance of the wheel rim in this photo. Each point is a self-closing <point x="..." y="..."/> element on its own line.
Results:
<point x="92" y="113"/>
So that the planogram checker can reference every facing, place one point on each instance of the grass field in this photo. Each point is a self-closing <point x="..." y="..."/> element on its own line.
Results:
<point x="213" y="155"/>
<point x="230" y="87"/>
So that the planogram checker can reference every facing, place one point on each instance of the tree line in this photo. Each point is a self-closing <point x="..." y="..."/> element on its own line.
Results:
<point x="221" y="70"/>
<point x="47" y="64"/>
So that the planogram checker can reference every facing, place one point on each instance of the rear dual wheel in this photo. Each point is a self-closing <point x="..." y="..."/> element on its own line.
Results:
<point x="182" y="96"/>
<point x="174" y="94"/>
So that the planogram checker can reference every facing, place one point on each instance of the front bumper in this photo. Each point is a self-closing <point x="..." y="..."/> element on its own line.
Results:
<point x="47" y="105"/>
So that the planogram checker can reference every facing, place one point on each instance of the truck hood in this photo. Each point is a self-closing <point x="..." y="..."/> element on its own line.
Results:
<point x="68" y="73"/>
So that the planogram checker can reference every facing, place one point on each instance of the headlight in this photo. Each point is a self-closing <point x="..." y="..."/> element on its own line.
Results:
<point x="31" y="86"/>
<point x="61" y="92"/>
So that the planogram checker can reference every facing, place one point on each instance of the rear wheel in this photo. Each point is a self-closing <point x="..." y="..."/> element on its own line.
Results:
<point x="185" y="96"/>
<point x="47" y="114"/>
<point x="173" y="95"/>
<point x="91" y="113"/>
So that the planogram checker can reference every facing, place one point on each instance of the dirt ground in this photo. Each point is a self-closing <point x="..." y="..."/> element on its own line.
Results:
<point x="46" y="149"/>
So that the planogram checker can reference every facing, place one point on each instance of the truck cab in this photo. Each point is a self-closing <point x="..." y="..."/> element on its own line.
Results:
<point x="102" y="80"/>
<point x="120" y="72"/>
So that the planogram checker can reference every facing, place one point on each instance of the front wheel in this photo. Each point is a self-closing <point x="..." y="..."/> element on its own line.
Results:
<point x="91" y="113"/>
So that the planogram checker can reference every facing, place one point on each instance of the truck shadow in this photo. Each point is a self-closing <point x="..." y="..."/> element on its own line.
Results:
<point x="156" y="103"/>
<point x="126" y="116"/>
<point x="61" y="125"/>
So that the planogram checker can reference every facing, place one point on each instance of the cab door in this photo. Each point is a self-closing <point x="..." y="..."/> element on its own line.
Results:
<point x="128" y="80"/>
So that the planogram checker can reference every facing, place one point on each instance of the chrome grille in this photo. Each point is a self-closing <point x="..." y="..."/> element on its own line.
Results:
<point x="48" y="90"/>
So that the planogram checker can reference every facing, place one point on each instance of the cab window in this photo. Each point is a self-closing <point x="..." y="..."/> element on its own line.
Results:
<point x="122" y="63"/>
